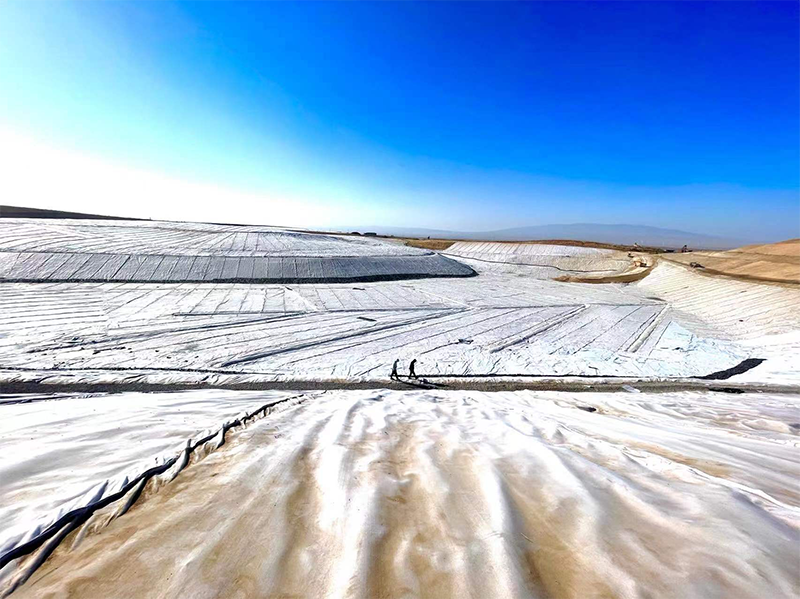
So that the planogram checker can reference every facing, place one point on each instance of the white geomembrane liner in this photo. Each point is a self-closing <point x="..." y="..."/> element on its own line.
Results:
<point x="66" y="451"/>
<point x="396" y="493"/>
<point x="32" y="250"/>
<point x="461" y="494"/>
<point x="546" y="260"/>
<point x="181" y="239"/>
<point x="494" y="324"/>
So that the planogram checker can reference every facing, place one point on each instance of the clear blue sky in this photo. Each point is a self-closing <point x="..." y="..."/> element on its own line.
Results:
<point x="467" y="116"/>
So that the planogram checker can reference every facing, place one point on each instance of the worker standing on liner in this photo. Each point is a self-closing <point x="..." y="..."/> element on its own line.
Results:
<point x="411" y="373"/>
<point x="394" y="376"/>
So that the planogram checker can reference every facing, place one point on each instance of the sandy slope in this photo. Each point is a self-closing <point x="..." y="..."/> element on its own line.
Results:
<point x="398" y="494"/>
<point x="779" y="262"/>
<point x="790" y="247"/>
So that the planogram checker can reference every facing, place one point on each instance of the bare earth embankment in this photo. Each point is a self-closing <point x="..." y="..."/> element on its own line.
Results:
<point x="774" y="263"/>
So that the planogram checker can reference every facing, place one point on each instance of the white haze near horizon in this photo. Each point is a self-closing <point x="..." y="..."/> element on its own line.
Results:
<point x="37" y="174"/>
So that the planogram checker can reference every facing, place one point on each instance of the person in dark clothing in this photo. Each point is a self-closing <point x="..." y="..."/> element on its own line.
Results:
<point x="394" y="376"/>
<point x="411" y="373"/>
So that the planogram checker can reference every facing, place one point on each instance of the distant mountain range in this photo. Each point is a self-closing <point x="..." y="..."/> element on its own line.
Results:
<point x="621" y="234"/>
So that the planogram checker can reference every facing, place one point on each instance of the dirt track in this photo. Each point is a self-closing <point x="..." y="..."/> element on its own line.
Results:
<point x="488" y="384"/>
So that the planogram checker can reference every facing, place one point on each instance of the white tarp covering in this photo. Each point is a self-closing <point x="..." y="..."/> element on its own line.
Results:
<point x="65" y="451"/>
<point x="466" y="494"/>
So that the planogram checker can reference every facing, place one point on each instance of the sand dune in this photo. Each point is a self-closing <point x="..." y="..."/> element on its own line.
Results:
<point x="395" y="494"/>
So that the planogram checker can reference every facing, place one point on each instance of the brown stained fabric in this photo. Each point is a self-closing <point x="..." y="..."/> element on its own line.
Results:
<point x="442" y="495"/>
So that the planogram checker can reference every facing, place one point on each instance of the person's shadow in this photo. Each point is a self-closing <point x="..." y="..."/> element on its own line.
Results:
<point x="420" y="383"/>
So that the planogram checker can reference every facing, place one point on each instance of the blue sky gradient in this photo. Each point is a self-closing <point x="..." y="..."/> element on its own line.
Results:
<point x="472" y="116"/>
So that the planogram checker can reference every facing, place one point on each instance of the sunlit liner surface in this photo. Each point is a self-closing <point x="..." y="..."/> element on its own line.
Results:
<point x="464" y="494"/>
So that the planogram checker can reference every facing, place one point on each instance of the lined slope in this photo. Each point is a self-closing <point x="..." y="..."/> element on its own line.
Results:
<point x="453" y="495"/>
<point x="492" y="325"/>
<point x="89" y="251"/>
<point x="734" y="309"/>
<point x="63" y="452"/>
<point x="548" y="261"/>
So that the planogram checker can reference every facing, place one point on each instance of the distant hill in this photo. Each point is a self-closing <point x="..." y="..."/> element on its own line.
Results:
<point x="624" y="234"/>
<point x="618" y="234"/>
<point x="614" y="234"/>
<point x="22" y="212"/>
